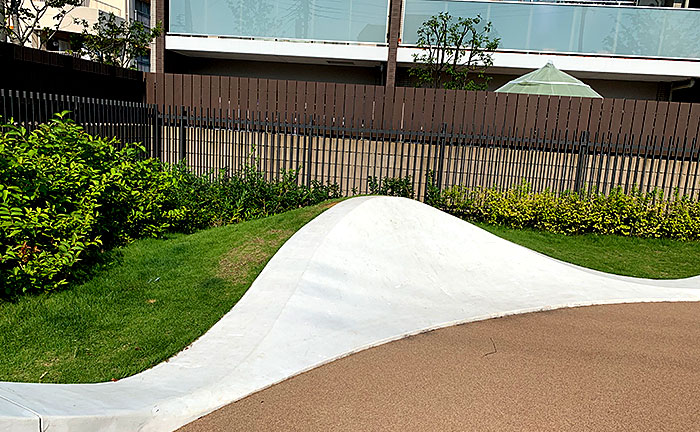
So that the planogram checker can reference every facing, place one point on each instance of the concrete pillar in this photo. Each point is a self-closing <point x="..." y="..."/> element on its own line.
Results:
<point x="394" y="35"/>
<point x="159" y="10"/>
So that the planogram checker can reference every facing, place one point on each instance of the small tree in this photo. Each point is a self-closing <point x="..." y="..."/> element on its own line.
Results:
<point x="114" y="41"/>
<point x="22" y="18"/>
<point x="453" y="51"/>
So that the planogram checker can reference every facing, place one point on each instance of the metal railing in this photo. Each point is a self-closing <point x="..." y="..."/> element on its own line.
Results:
<point x="348" y="152"/>
<point x="585" y="28"/>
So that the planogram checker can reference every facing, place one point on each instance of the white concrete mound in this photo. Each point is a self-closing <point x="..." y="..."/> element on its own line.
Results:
<point x="367" y="271"/>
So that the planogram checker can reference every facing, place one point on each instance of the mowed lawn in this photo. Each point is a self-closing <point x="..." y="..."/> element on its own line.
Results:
<point x="158" y="296"/>
<point x="154" y="300"/>
<point x="629" y="256"/>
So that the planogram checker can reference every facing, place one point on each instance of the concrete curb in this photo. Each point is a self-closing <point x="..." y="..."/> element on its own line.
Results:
<point x="367" y="271"/>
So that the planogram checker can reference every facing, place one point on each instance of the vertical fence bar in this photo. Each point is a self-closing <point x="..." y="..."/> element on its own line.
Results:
<point x="182" y="143"/>
<point x="489" y="145"/>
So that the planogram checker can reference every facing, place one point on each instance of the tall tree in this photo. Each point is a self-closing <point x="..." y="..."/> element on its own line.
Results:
<point x="114" y="41"/>
<point x="22" y="18"/>
<point x="453" y="52"/>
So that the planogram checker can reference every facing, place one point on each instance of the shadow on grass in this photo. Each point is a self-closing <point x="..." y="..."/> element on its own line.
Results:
<point x="87" y="268"/>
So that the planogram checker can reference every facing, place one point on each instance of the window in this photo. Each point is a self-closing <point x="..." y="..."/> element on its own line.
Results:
<point x="143" y="63"/>
<point x="142" y="12"/>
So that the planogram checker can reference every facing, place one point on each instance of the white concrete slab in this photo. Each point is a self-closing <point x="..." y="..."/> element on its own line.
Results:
<point x="14" y="418"/>
<point x="367" y="271"/>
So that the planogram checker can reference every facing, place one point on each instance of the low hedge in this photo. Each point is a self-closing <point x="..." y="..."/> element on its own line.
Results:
<point x="66" y="196"/>
<point x="636" y="213"/>
<point x="627" y="214"/>
<point x="231" y="197"/>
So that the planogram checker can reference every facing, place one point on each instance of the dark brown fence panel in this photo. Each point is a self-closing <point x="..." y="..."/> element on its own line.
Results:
<point x="67" y="75"/>
<point x="610" y="126"/>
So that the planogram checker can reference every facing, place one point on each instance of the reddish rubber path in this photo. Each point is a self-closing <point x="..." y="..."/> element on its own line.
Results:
<point x="604" y="368"/>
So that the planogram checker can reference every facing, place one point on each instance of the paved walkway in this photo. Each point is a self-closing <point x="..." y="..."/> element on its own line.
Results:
<point x="367" y="271"/>
<point x="598" y="368"/>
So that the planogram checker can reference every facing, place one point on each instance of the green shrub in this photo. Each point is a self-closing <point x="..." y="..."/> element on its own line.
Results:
<point x="66" y="195"/>
<point x="627" y="214"/>
<point x="241" y="195"/>
<point x="391" y="186"/>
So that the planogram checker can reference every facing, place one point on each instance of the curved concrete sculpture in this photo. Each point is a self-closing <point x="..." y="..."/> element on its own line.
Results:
<point x="367" y="271"/>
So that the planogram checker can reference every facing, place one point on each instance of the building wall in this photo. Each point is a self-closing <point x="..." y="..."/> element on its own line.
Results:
<point x="607" y="88"/>
<point x="88" y="12"/>
<point x="184" y="21"/>
<point x="176" y="63"/>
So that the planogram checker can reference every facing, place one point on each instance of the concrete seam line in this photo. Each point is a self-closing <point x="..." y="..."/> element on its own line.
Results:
<point x="6" y="399"/>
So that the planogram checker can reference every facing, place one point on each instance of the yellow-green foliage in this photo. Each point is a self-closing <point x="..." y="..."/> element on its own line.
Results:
<point x="627" y="214"/>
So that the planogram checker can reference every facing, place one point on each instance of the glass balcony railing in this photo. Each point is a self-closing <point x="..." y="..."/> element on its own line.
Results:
<point x="322" y="20"/>
<point x="566" y="28"/>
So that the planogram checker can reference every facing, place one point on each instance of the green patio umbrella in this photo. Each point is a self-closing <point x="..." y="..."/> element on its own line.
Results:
<point x="548" y="80"/>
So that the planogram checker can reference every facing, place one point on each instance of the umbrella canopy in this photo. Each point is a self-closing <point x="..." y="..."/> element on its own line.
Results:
<point x="548" y="80"/>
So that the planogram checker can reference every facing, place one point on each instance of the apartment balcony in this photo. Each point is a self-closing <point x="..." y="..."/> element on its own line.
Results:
<point x="302" y="20"/>
<point x="595" y="38"/>
<point x="599" y="30"/>
<point x="307" y="31"/>
<point x="594" y="41"/>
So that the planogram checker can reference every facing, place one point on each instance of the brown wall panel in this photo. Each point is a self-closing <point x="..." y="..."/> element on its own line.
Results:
<point x="169" y="89"/>
<point x="197" y="91"/>
<point x="225" y="95"/>
<point x="215" y="93"/>
<point x="613" y="121"/>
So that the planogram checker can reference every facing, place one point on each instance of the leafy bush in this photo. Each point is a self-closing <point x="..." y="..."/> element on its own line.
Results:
<point x="392" y="186"/>
<point x="627" y="214"/>
<point x="65" y="194"/>
<point x="242" y="195"/>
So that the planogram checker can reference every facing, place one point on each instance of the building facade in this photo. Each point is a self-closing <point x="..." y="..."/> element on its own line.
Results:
<point x="620" y="48"/>
<point x="90" y="11"/>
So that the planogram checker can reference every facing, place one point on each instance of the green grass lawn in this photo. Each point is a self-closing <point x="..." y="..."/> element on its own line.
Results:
<point x="160" y="295"/>
<point x="629" y="256"/>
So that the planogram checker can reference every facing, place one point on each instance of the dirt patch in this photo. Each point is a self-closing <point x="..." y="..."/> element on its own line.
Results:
<point x="236" y="263"/>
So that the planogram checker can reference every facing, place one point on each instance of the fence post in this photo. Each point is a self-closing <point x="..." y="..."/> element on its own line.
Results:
<point x="183" y="148"/>
<point x="441" y="155"/>
<point x="582" y="162"/>
<point x="157" y="143"/>
<point x="308" y="137"/>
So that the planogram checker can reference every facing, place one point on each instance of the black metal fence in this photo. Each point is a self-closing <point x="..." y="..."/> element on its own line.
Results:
<point x="348" y="152"/>
<point x="126" y="121"/>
